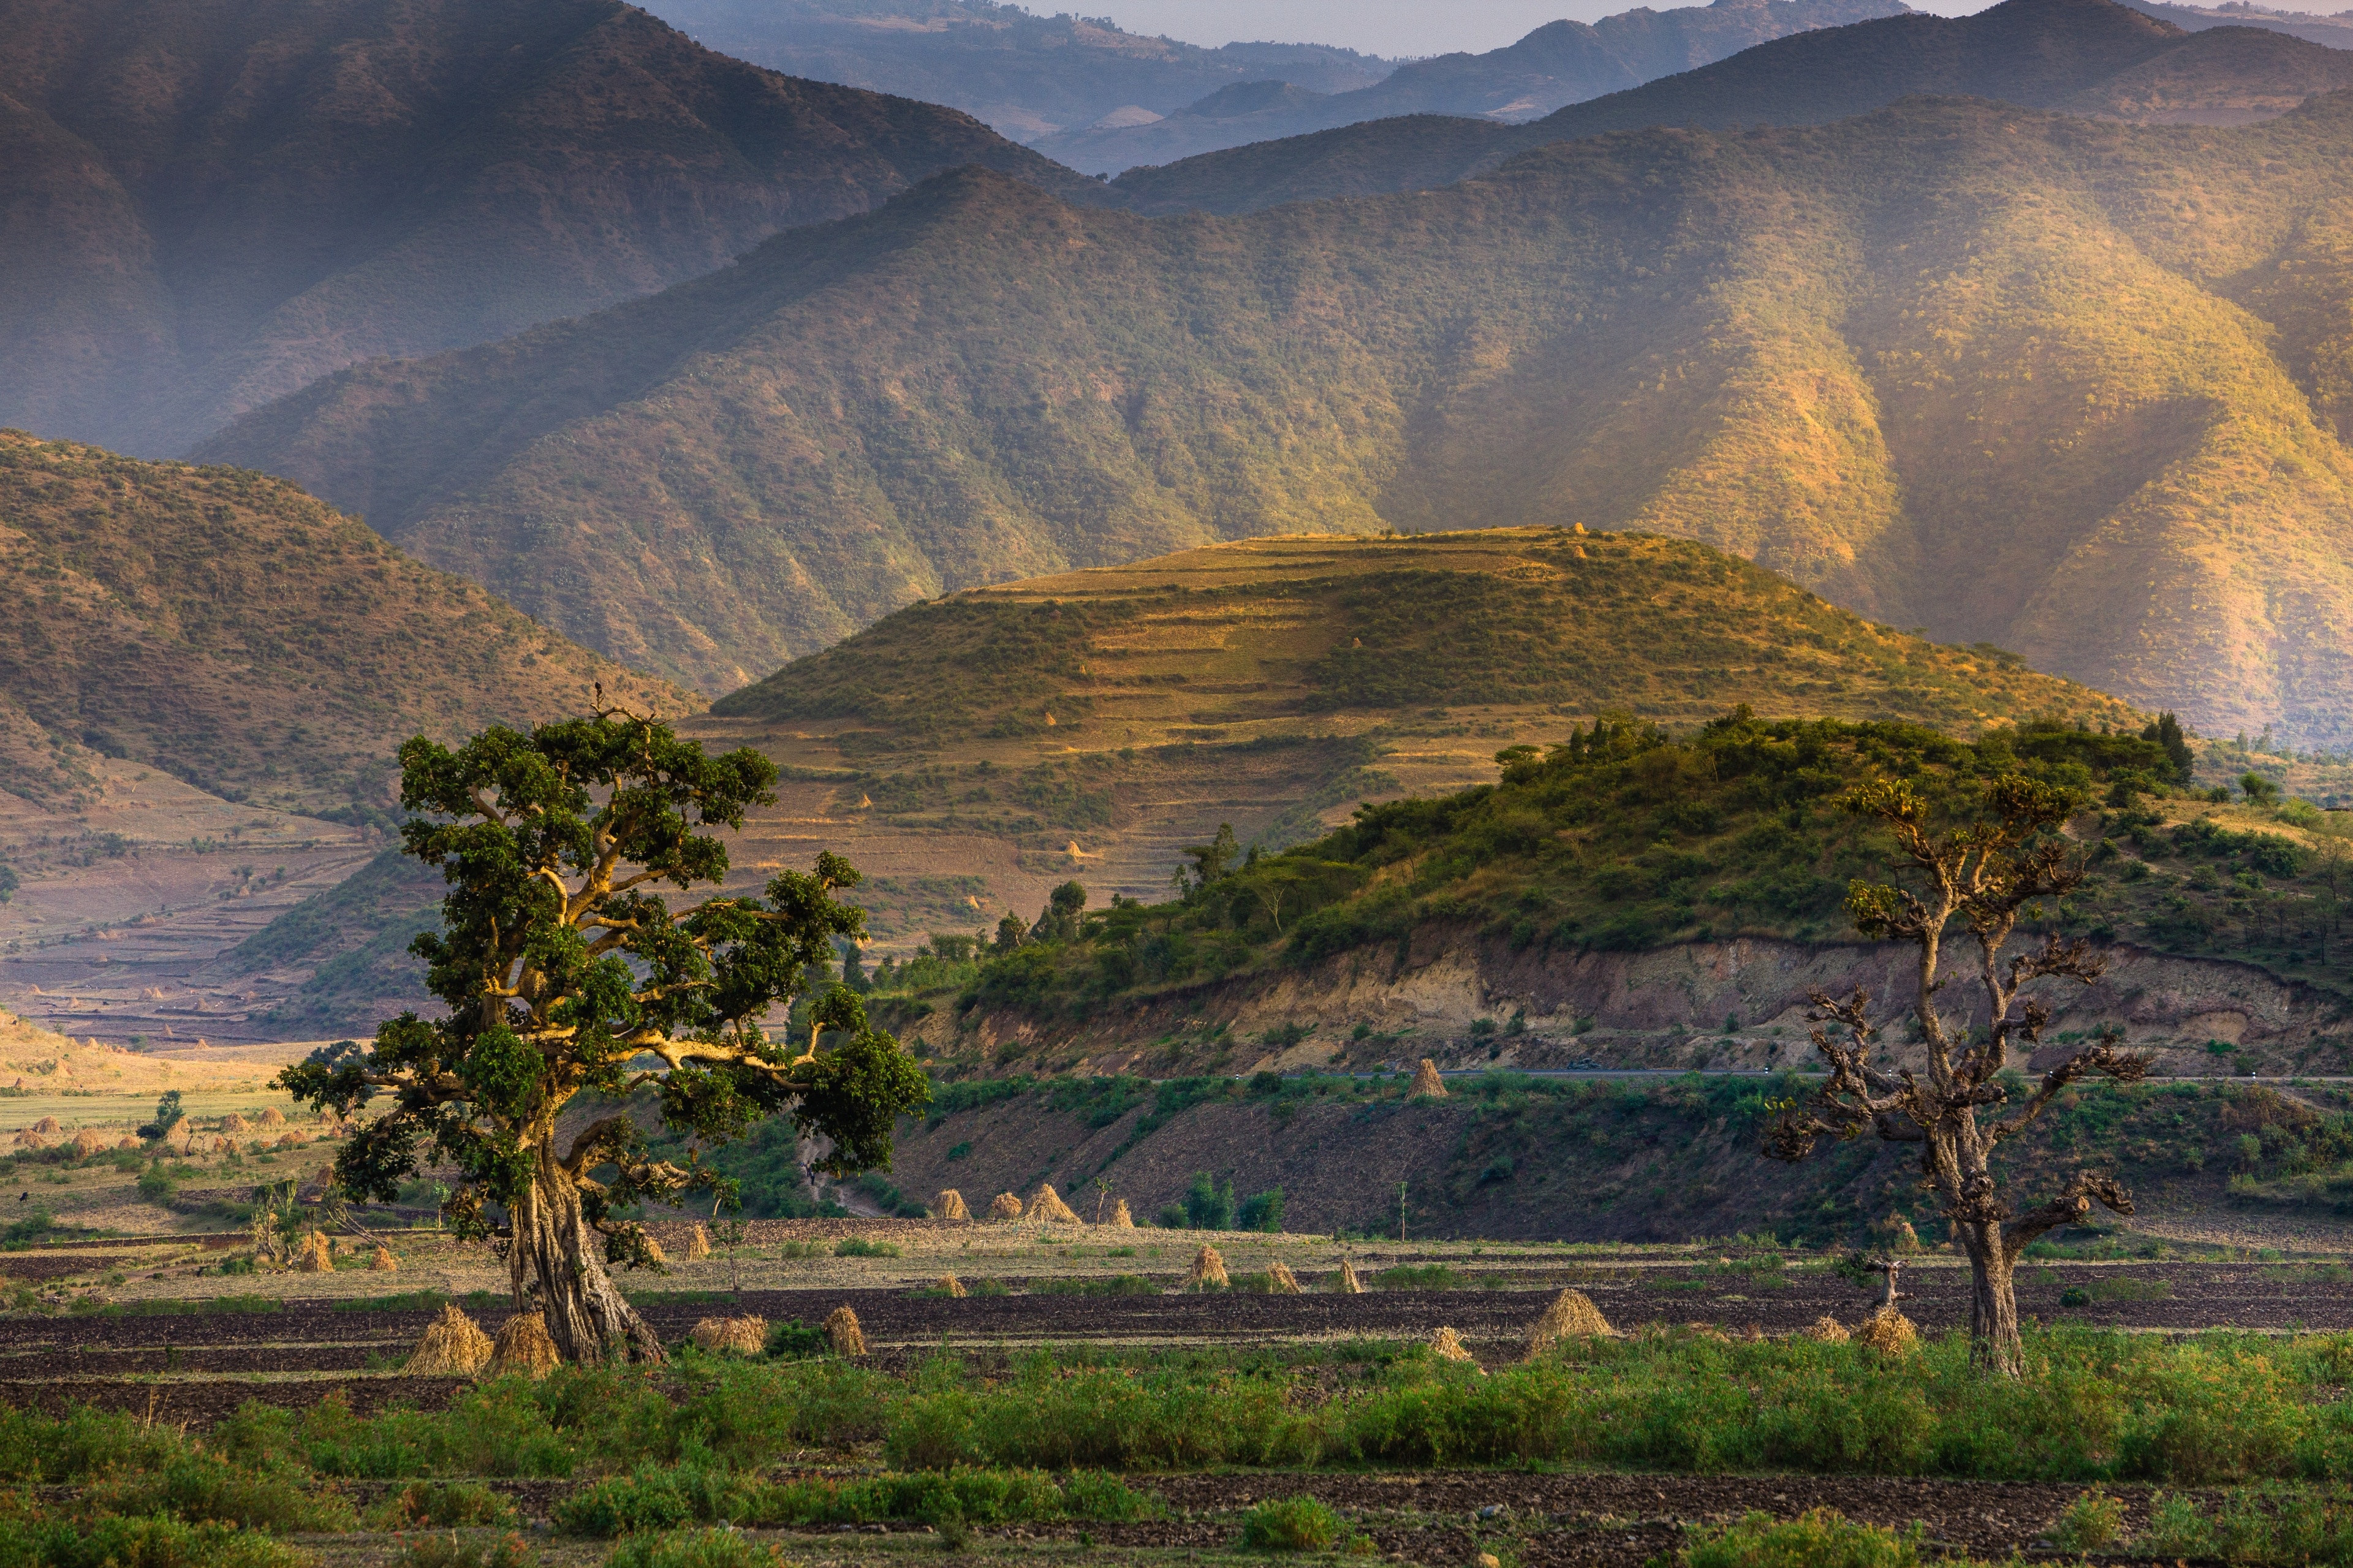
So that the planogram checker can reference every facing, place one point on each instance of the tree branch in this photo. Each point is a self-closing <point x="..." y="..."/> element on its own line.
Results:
<point x="2066" y="1209"/>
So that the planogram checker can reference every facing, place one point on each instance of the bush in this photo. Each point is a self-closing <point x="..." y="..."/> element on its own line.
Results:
<point x="797" y="1339"/>
<point x="1821" y="1539"/>
<point x="115" y="1542"/>
<point x="1262" y="1211"/>
<point x="859" y="1247"/>
<point x="2091" y="1521"/>
<point x="442" y="1506"/>
<point x="450" y="1552"/>
<point x="1290" y="1524"/>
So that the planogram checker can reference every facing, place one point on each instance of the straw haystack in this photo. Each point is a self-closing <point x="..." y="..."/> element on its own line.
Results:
<point x="31" y="1139"/>
<point x="949" y="1285"/>
<point x="233" y="1122"/>
<point x="1888" y="1331"/>
<point x="49" y="1124"/>
<point x="1209" y="1270"/>
<point x="272" y="1117"/>
<point x="452" y="1347"/>
<point x="740" y="1336"/>
<point x="1571" y="1315"/>
<point x="1447" y="1345"/>
<point x="288" y="1141"/>
<point x="1829" y="1329"/>
<point x="87" y="1142"/>
<point x="1048" y="1208"/>
<point x="126" y="1142"/>
<point x="842" y="1331"/>
<point x="1346" y="1282"/>
<point x="697" y="1243"/>
<point x="949" y="1204"/>
<point x="1005" y="1206"/>
<point x="524" y="1347"/>
<point x="381" y="1261"/>
<point x="315" y="1255"/>
<point x="1120" y="1218"/>
<point x="1280" y="1279"/>
<point x="654" y="1250"/>
<point x="1426" y="1082"/>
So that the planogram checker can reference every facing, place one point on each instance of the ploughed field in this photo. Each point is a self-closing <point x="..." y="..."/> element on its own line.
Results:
<point x="1211" y="1417"/>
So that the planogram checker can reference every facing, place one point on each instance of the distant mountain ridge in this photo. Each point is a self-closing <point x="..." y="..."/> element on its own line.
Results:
<point x="2095" y="58"/>
<point x="1559" y="63"/>
<point x="2072" y="387"/>
<point x="1027" y="75"/>
<point x="208" y="204"/>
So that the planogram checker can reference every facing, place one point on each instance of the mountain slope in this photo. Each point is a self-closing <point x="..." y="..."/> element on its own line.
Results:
<point x="2335" y="31"/>
<point x="2095" y="57"/>
<point x="1027" y="75"/>
<point x="206" y="203"/>
<point x="971" y="752"/>
<point x="2078" y="389"/>
<point x="1558" y="63"/>
<point x="226" y="629"/>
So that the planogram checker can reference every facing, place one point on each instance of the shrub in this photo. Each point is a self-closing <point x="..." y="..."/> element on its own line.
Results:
<point x="1290" y="1524"/>
<point x="692" y="1549"/>
<point x="859" y="1247"/>
<point x="1821" y="1539"/>
<point x="116" y="1542"/>
<point x="444" y="1505"/>
<point x="2091" y="1521"/>
<point x="796" y="1340"/>
<point x="1262" y="1211"/>
<point x="451" y="1552"/>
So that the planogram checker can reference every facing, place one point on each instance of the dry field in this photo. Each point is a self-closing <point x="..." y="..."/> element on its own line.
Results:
<point x="151" y="1324"/>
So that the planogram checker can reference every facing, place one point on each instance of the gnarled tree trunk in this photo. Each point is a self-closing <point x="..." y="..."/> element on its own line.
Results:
<point x="555" y="1267"/>
<point x="1994" y="1342"/>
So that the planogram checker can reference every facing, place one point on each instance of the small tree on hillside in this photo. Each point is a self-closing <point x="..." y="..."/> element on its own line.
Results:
<point x="565" y="971"/>
<point x="1984" y="873"/>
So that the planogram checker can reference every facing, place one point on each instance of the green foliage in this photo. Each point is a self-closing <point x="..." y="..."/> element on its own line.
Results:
<point x="860" y="1246"/>
<point x="1291" y="1524"/>
<point x="559" y="966"/>
<point x="112" y="1541"/>
<point x="1820" y="1537"/>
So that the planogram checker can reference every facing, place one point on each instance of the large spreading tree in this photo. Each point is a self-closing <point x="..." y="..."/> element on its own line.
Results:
<point x="2000" y="860"/>
<point x="566" y="971"/>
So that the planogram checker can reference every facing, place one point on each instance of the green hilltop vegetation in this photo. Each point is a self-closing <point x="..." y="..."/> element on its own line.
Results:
<point x="1622" y="838"/>
<point x="237" y="196"/>
<point x="2095" y="57"/>
<point x="2075" y="389"/>
<point x="226" y="628"/>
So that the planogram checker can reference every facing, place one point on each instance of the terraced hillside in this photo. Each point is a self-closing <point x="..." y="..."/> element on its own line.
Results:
<point x="971" y="752"/>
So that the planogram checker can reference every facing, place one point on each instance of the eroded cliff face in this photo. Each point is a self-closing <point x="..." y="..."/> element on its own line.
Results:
<point x="1465" y="1000"/>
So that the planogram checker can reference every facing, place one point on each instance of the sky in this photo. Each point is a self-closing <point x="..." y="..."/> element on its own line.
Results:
<point x="1390" y="27"/>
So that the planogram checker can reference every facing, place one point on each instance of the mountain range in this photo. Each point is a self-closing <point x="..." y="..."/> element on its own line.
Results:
<point x="2076" y="388"/>
<point x="1559" y="63"/>
<point x="207" y="203"/>
<point x="2093" y="58"/>
<point x="2335" y="31"/>
<point x="1025" y="74"/>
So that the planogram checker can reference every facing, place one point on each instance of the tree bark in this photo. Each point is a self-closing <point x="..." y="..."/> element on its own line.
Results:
<point x="1994" y="1342"/>
<point x="556" y="1268"/>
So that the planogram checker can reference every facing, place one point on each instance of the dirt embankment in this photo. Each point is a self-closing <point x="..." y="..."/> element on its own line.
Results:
<point x="1465" y="999"/>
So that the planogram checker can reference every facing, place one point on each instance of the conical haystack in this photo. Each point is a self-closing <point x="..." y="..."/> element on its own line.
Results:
<point x="452" y="1347"/>
<point x="288" y="1141"/>
<point x="384" y="1262"/>
<point x="1571" y="1315"/>
<point x="126" y="1142"/>
<point x="1346" y="1282"/>
<point x="1047" y="1206"/>
<point x="740" y="1336"/>
<point x="49" y="1124"/>
<point x="1120" y="1218"/>
<point x="1209" y="1270"/>
<point x="524" y="1346"/>
<point x="1004" y="1205"/>
<point x="1889" y="1331"/>
<point x="29" y="1139"/>
<point x="842" y="1331"/>
<point x="272" y="1117"/>
<point x="1280" y="1281"/>
<point x="950" y="1285"/>
<point x="316" y="1255"/>
<point x="1426" y="1082"/>
<point x="233" y="1122"/>
<point x="1447" y="1345"/>
<point x="697" y="1243"/>
<point x="1829" y="1331"/>
<point x="87" y="1142"/>
<point x="949" y="1204"/>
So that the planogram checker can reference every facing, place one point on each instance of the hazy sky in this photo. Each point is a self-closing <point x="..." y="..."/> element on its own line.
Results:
<point x="1376" y="27"/>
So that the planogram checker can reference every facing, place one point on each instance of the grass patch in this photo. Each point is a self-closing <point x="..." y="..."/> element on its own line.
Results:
<point x="1116" y="1285"/>
<point x="1416" y="1277"/>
